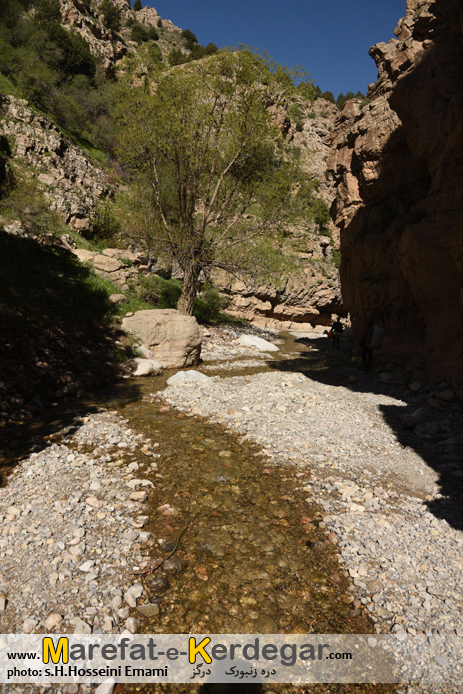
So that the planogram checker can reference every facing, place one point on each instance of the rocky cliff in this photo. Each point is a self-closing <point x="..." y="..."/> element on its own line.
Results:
<point x="85" y="18"/>
<point x="72" y="184"/>
<point x="397" y="163"/>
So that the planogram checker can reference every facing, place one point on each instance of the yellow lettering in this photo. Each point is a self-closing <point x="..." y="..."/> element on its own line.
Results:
<point x="61" y="651"/>
<point x="200" y="648"/>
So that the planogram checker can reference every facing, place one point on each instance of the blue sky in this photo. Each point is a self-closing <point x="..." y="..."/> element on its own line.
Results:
<point x="329" y="38"/>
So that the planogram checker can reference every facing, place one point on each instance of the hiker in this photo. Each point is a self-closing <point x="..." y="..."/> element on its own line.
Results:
<point x="371" y="339"/>
<point x="336" y="331"/>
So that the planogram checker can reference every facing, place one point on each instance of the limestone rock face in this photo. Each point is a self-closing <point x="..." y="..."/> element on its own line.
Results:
<point x="111" y="264"/>
<point x="291" y="305"/>
<point x="71" y="182"/>
<point x="397" y="163"/>
<point x="172" y="338"/>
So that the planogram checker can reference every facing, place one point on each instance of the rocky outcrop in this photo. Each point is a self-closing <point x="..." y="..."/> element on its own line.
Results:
<point x="117" y="265"/>
<point x="72" y="184"/>
<point x="310" y="300"/>
<point x="170" y="338"/>
<point x="86" y="20"/>
<point x="397" y="167"/>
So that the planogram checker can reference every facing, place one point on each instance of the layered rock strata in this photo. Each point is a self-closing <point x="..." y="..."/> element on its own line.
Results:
<point x="72" y="184"/>
<point x="397" y="163"/>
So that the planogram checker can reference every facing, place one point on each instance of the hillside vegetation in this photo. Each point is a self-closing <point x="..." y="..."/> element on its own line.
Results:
<point x="82" y="65"/>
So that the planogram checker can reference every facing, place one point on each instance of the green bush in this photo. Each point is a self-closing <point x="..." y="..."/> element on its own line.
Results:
<point x="24" y="200"/>
<point x="176" y="57"/>
<point x="137" y="6"/>
<point x="153" y="34"/>
<point x="189" y="36"/>
<point x="336" y="256"/>
<point x="157" y="291"/>
<point x="111" y="15"/>
<point x="154" y="54"/>
<point x="139" y="33"/>
<point x="48" y="11"/>
<point x="104" y="224"/>
<point x="209" y="304"/>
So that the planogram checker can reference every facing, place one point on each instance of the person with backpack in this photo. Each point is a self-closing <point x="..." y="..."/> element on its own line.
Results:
<point x="336" y="332"/>
<point x="371" y="339"/>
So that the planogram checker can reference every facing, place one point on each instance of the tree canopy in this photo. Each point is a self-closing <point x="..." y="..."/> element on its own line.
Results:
<point x="215" y="185"/>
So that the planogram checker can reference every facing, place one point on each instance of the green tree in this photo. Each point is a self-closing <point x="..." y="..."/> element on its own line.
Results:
<point x="153" y="34"/>
<point x="48" y="11"/>
<point x="189" y="36"/>
<point x="111" y="16"/>
<point x="342" y="100"/>
<point x="176" y="57"/>
<point x="328" y="96"/>
<point x="137" y="6"/>
<point x="139" y="33"/>
<point x="212" y="185"/>
<point x="154" y="54"/>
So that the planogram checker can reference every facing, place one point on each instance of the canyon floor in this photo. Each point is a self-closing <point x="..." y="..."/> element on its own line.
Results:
<point x="303" y="504"/>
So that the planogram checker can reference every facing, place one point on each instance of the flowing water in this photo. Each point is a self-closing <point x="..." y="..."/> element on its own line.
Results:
<point x="251" y="557"/>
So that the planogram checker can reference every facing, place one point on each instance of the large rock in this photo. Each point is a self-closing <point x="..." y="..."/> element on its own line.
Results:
<point x="172" y="339"/>
<point x="397" y="165"/>
<point x="147" y="367"/>
<point x="183" y="377"/>
<point x="258" y="343"/>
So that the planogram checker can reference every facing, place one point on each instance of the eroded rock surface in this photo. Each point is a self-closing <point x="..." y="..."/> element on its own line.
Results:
<point x="397" y="165"/>
<point x="173" y="339"/>
<point x="71" y="183"/>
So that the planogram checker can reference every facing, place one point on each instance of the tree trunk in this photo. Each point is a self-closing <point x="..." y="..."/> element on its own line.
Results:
<point x="189" y="291"/>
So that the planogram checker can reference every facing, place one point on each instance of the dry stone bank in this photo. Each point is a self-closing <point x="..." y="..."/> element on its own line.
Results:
<point x="71" y="530"/>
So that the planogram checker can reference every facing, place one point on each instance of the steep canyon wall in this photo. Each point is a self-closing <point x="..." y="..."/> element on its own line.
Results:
<point x="398" y="167"/>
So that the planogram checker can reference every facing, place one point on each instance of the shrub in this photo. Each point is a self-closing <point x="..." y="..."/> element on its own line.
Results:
<point x="176" y="57"/>
<point x="139" y="33"/>
<point x="189" y="36"/>
<point x="209" y="304"/>
<point x="158" y="291"/>
<point x="153" y="34"/>
<point x="137" y="6"/>
<point x="160" y="23"/>
<point x="336" y="256"/>
<point x="111" y="15"/>
<point x="48" y="11"/>
<point x="211" y="49"/>
<point x="104" y="224"/>
<point x="154" y="54"/>
<point x="25" y="201"/>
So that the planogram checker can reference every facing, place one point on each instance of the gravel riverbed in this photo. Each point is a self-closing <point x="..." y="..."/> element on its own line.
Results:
<point x="72" y="513"/>
<point x="405" y="562"/>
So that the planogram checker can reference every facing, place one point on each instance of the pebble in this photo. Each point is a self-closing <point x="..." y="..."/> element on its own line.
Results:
<point x="61" y="555"/>
<point x="375" y="491"/>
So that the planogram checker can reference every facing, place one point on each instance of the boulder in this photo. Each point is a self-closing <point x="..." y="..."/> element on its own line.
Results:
<point x="117" y="299"/>
<point x="172" y="338"/>
<point x="258" y="343"/>
<point x="182" y="377"/>
<point x="147" y="367"/>
<point x="411" y="420"/>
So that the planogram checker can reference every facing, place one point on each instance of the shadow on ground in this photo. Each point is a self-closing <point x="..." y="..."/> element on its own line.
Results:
<point x="331" y="367"/>
<point x="58" y="343"/>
